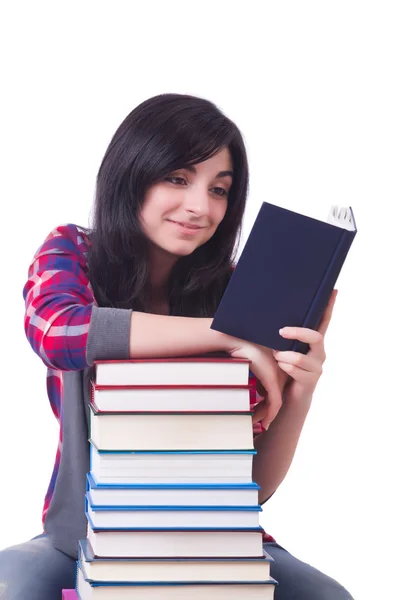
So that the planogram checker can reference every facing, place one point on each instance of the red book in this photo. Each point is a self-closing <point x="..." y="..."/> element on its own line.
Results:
<point x="69" y="595"/>
<point x="191" y="371"/>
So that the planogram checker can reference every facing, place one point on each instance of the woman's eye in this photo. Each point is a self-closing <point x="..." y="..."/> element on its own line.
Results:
<point x="220" y="191"/>
<point x="177" y="180"/>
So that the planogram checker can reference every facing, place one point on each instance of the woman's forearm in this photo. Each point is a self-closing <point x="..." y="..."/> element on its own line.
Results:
<point x="153" y="336"/>
<point x="276" y="448"/>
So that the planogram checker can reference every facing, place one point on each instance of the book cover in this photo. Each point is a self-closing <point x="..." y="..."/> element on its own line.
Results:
<point x="284" y="277"/>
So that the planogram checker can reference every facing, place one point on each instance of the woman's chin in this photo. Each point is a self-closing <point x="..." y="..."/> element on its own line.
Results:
<point x="180" y="250"/>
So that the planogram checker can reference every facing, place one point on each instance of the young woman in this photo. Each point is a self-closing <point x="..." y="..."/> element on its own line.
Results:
<point x="145" y="281"/>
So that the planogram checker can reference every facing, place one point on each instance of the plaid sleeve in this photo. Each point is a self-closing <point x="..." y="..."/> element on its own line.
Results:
<point x="59" y="300"/>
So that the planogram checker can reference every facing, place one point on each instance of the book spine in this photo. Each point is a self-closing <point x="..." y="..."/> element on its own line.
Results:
<point x="320" y="300"/>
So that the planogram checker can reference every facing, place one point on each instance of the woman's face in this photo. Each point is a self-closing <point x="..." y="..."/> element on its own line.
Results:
<point x="182" y="212"/>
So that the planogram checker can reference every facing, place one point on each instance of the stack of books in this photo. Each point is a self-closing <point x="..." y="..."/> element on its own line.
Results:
<point x="172" y="511"/>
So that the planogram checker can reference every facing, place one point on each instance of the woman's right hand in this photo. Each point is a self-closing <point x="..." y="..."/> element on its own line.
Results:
<point x="266" y="369"/>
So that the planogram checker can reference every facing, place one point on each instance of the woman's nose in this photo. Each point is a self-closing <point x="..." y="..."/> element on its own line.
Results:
<point x="196" y="201"/>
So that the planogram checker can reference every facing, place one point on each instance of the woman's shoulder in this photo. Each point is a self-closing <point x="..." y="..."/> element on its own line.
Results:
<point x="67" y="237"/>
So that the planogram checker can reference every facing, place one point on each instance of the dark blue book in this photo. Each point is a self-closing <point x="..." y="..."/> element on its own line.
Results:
<point x="285" y="275"/>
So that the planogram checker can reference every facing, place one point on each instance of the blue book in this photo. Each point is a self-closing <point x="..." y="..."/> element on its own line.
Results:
<point x="177" y="494"/>
<point x="221" y="517"/>
<point x="92" y="484"/>
<point x="285" y="275"/>
<point x="172" y="517"/>
<point x="165" y="467"/>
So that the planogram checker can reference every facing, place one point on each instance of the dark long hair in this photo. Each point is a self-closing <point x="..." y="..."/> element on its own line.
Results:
<point x="165" y="133"/>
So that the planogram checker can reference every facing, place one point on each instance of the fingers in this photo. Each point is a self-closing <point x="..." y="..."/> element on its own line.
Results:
<point x="303" y="334"/>
<point x="260" y="411"/>
<point x="307" y="378"/>
<point x="267" y="410"/>
<point x="306" y="362"/>
<point x="274" y="402"/>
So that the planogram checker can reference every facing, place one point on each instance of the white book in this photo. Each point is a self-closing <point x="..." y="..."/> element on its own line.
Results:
<point x="171" y="398"/>
<point x="171" y="467"/>
<point x="87" y="590"/>
<point x="173" y="494"/>
<point x="155" y="543"/>
<point x="173" y="371"/>
<point x="170" y="431"/>
<point x="176" y="517"/>
<point x="173" y="569"/>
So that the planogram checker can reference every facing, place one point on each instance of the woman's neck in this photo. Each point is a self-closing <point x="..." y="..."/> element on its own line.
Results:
<point x="160" y="267"/>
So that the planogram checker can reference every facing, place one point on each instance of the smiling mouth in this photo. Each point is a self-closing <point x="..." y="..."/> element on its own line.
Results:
<point x="186" y="225"/>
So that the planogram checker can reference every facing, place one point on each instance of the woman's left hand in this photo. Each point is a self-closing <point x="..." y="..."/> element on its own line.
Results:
<point x="304" y="370"/>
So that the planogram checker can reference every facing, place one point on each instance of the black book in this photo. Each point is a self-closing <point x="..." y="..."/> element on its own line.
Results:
<point x="285" y="275"/>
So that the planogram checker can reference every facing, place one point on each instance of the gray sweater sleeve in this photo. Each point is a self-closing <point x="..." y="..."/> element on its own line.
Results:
<point x="108" y="334"/>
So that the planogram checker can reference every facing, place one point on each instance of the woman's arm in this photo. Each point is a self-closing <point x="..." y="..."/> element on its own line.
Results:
<point x="58" y="300"/>
<point x="156" y="336"/>
<point x="276" y="448"/>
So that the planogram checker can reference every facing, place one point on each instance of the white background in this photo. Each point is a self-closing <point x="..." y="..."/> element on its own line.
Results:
<point x="312" y="85"/>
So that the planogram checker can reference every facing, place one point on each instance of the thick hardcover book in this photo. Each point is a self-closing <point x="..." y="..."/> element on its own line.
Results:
<point x="177" y="494"/>
<point x="152" y="590"/>
<point x="174" y="568"/>
<point x="172" y="516"/>
<point x="152" y="542"/>
<point x="198" y="371"/>
<point x="171" y="398"/>
<point x="171" y="431"/>
<point x="171" y="467"/>
<point x="285" y="275"/>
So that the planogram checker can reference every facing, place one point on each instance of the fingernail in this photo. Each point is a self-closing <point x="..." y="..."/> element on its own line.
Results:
<point x="267" y="426"/>
<point x="281" y="331"/>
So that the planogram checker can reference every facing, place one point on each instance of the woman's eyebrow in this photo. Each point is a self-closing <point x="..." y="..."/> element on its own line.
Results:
<point x="192" y="169"/>
<point x="225" y="174"/>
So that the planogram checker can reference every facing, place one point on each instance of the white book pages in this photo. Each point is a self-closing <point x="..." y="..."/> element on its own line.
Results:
<point x="175" y="543"/>
<point x="341" y="216"/>
<point x="172" y="432"/>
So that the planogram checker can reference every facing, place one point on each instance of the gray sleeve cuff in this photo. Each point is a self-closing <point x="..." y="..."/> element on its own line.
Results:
<point x="108" y="334"/>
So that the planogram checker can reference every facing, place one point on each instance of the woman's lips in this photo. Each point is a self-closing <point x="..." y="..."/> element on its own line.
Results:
<point x="186" y="227"/>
